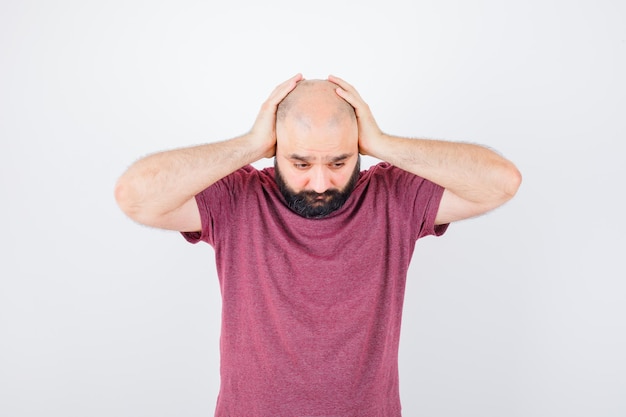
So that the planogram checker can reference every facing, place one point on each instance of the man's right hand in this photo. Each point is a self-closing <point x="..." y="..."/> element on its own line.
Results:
<point x="263" y="132"/>
<point x="159" y="190"/>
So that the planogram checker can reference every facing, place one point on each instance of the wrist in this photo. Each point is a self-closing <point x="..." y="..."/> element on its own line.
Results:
<point x="257" y="146"/>
<point x="375" y="145"/>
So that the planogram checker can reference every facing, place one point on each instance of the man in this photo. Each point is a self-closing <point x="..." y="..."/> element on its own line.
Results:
<point x="312" y="255"/>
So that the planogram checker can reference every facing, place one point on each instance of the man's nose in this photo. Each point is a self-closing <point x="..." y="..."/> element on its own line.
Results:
<point x="320" y="180"/>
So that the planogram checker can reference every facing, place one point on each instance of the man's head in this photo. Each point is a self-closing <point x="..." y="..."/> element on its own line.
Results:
<point x="317" y="150"/>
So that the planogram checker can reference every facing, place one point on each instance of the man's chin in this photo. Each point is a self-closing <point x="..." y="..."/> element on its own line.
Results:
<point x="318" y="210"/>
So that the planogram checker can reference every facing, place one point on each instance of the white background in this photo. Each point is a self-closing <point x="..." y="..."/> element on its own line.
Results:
<point x="517" y="313"/>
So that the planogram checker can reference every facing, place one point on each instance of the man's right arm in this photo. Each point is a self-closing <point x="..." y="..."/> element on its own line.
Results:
<point x="159" y="190"/>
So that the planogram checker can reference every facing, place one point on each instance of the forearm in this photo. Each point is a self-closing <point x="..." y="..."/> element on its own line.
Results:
<point x="472" y="172"/>
<point x="162" y="182"/>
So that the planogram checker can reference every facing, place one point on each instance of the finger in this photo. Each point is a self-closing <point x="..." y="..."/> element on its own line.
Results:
<point x="344" y="85"/>
<point x="340" y="82"/>
<point x="284" y="88"/>
<point x="290" y="83"/>
<point x="347" y="92"/>
<point x="270" y="106"/>
<point x="353" y="99"/>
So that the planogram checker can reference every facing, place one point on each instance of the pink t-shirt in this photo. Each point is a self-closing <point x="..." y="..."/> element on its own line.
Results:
<point x="311" y="308"/>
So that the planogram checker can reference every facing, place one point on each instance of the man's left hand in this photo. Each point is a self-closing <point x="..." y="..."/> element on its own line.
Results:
<point x="370" y="135"/>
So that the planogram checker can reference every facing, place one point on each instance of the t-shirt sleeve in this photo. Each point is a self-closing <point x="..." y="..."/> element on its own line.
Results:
<point x="215" y="205"/>
<point x="428" y="226"/>
<point x="418" y="199"/>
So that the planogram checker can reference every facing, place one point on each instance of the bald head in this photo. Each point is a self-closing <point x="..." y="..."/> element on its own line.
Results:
<point x="314" y="100"/>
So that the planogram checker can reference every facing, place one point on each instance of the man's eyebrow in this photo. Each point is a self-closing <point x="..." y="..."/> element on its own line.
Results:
<point x="332" y="159"/>
<point x="341" y="157"/>
<point x="300" y="158"/>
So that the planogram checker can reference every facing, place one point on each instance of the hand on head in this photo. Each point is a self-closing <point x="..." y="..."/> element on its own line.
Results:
<point x="309" y="100"/>
<point x="264" y="128"/>
<point x="369" y="132"/>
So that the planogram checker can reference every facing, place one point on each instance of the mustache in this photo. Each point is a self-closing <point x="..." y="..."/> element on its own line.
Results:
<point x="312" y="195"/>
<point x="303" y="200"/>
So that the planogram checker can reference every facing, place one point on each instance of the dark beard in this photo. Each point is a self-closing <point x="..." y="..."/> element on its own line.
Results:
<point x="312" y="205"/>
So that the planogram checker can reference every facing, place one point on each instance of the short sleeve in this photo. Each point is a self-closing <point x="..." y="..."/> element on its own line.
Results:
<point x="216" y="204"/>
<point x="415" y="199"/>
<point x="206" y="217"/>
<point x="427" y="200"/>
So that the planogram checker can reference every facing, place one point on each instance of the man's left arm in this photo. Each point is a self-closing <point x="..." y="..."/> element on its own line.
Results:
<point x="475" y="178"/>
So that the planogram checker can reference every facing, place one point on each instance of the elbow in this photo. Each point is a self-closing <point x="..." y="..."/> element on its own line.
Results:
<point x="126" y="198"/>
<point x="512" y="180"/>
<point x="130" y="197"/>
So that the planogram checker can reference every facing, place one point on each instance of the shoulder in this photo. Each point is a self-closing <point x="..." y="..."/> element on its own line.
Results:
<point x="246" y="178"/>
<point x="398" y="184"/>
<point x="377" y="172"/>
<point x="249" y="173"/>
<point x="388" y="174"/>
